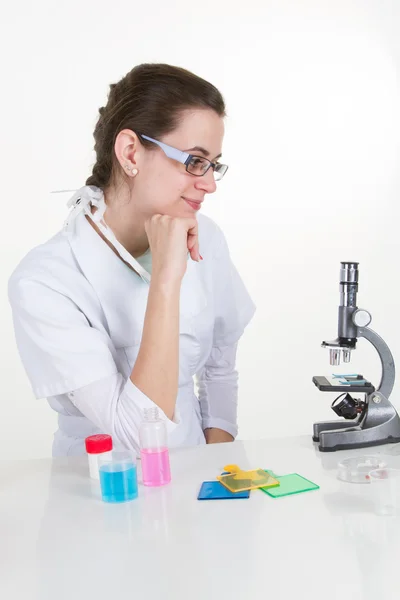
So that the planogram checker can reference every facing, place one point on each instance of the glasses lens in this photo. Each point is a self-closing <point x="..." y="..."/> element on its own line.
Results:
<point x="220" y="171"/>
<point x="198" y="165"/>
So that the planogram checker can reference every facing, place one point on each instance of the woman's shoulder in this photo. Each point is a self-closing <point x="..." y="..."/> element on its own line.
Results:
<point x="45" y="263"/>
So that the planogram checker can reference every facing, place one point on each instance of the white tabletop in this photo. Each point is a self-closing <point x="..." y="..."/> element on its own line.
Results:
<point x="59" y="541"/>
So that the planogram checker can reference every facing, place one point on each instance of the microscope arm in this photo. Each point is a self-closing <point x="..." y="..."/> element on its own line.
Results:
<point x="386" y="358"/>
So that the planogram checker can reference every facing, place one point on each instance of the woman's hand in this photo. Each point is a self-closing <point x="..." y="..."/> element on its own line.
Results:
<point x="214" y="435"/>
<point x="170" y="239"/>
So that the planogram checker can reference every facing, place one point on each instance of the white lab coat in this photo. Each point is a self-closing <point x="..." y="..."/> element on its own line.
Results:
<point x="78" y="314"/>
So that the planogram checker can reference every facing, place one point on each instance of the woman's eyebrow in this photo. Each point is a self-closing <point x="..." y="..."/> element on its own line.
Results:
<point x="202" y="150"/>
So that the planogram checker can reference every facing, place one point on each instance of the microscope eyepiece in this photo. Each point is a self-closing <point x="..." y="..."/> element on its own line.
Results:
<point x="348" y="284"/>
<point x="349" y="271"/>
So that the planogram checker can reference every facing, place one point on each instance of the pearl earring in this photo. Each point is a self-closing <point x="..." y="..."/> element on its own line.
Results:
<point x="134" y="171"/>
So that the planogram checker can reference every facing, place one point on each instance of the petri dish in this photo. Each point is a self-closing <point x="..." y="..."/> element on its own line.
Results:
<point x="357" y="468"/>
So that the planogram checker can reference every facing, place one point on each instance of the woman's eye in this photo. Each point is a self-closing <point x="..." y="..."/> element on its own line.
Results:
<point x="197" y="162"/>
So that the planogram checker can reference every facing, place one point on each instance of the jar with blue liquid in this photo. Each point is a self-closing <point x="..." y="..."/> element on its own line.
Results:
<point x="118" y="477"/>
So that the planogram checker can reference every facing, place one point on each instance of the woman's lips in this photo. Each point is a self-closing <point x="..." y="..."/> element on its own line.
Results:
<point x="195" y="204"/>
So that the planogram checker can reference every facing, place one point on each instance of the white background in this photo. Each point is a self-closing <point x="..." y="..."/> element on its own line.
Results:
<point x="313" y="143"/>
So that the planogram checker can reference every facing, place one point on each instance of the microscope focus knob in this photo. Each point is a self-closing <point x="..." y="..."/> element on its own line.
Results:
<point x="361" y="318"/>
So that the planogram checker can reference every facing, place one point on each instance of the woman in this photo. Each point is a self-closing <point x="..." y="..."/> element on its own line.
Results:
<point x="137" y="294"/>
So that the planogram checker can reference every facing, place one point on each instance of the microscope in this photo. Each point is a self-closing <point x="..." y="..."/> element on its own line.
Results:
<point x="373" y="420"/>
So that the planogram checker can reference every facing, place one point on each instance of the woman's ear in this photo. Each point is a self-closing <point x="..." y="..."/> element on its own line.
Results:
<point x="128" y="151"/>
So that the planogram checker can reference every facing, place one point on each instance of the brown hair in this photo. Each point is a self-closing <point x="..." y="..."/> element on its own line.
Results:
<point x="148" y="100"/>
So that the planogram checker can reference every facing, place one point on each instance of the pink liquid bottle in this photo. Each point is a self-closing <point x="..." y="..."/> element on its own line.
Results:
<point x="154" y="449"/>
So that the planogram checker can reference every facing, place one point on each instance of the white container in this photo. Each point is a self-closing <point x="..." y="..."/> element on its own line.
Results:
<point x="98" y="447"/>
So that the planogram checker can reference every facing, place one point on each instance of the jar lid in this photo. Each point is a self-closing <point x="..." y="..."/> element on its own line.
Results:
<point x="96" y="444"/>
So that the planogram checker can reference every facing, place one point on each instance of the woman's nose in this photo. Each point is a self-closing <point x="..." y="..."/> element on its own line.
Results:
<point x="207" y="183"/>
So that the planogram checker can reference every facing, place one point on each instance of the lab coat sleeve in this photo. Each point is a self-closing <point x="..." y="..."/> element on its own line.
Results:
<point x="233" y="307"/>
<point x="218" y="390"/>
<point x="116" y="406"/>
<point x="58" y="348"/>
<point x="62" y="354"/>
<point x="233" y="310"/>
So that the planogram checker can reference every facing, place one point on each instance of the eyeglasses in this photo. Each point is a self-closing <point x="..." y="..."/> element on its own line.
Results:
<point x="195" y="165"/>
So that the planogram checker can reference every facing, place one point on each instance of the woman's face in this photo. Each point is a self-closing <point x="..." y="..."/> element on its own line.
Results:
<point x="162" y="185"/>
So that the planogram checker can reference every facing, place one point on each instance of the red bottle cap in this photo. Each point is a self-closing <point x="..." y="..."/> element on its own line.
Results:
<point x="96" y="444"/>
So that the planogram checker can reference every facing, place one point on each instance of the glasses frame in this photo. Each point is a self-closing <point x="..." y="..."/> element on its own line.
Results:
<point x="185" y="158"/>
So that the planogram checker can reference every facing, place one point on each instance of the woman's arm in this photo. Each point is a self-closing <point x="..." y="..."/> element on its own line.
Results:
<point x="156" y="369"/>
<point x="66" y="358"/>
<point x="218" y="380"/>
<point x="218" y="395"/>
<point x="115" y="405"/>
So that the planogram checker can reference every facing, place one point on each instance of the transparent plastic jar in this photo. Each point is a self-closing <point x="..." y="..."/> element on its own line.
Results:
<point x="118" y="476"/>
<point x="154" y="452"/>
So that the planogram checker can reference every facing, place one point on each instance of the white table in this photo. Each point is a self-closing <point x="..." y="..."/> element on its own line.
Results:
<point x="59" y="541"/>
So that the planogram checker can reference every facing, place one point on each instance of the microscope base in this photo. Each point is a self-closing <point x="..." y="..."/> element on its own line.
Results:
<point x="379" y="425"/>
<point x="335" y="425"/>
<point x="325" y="445"/>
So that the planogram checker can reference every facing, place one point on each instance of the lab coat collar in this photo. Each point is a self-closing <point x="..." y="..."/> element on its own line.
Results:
<point x="83" y="201"/>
